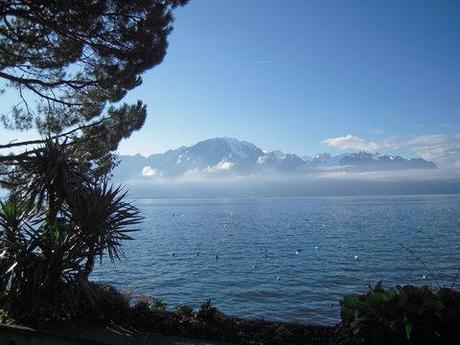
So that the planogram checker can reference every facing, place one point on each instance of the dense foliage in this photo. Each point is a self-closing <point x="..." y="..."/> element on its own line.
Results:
<point x="71" y="62"/>
<point x="402" y="315"/>
<point x="207" y="322"/>
<point x="57" y="220"/>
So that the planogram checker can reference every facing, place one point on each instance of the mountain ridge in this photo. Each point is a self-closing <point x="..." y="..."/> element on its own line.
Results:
<point x="224" y="156"/>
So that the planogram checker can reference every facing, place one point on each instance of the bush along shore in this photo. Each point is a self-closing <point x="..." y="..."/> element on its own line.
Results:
<point x="401" y="315"/>
<point x="111" y="308"/>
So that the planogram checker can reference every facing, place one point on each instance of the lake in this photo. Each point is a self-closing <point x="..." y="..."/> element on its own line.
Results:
<point x="289" y="259"/>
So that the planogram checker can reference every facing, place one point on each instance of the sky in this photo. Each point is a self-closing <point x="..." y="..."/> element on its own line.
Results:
<point x="307" y="77"/>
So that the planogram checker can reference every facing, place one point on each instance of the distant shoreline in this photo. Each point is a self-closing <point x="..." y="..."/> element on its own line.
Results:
<point x="296" y="197"/>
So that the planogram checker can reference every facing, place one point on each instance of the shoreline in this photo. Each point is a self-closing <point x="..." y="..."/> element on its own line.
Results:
<point x="114" y="320"/>
<point x="75" y="333"/>
<point x="117" y="317"/>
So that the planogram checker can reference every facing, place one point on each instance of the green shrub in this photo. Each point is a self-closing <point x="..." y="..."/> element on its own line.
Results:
<point x="401" y="315"/>
<point x="3" y="316"/>
<point x="58" y="219"/>
<point x="158" y="305"/>
<point x="208" y="313"/>
<point x="141" y="316"/>
<point x="185" y="311"/>
<point x="110" y="303"/>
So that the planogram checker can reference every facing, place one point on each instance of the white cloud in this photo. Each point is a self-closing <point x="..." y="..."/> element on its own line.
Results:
<point x="225" y="165"/>
<point x="148" y="171"/>
<point x="192" y="172"/>
<point x="441" y="148"/>
<point x="393" y="175"/>
<point x="221" y="166"/>
<point x="352" y="142"/>
<point x="261" y="160"/>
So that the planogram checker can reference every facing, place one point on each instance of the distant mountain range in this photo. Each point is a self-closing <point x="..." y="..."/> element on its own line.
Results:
<point x="229" y="156"/>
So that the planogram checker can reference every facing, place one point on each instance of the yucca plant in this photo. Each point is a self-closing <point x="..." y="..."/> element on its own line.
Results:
<point x="104" y="219"/>
<point x="58" y="219"/>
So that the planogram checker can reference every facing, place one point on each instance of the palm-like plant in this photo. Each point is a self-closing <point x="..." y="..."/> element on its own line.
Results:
<point x="58" y="219"/>
<point x="17" y="247"/>
<point x="104" y="219"/>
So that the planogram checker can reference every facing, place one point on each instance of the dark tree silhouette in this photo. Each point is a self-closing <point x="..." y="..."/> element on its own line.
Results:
<point x="72" y="61"/>
<point x="58" y="219"/>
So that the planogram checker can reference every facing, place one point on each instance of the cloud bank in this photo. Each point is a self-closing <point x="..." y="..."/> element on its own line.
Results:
<point x="352" y="142"/>
<point x="443" y="149"/>
<point x="332" y="184"/>
<point x="148" y="171"/>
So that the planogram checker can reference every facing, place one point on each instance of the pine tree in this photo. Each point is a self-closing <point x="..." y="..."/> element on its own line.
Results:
<point x="72" y="62"/>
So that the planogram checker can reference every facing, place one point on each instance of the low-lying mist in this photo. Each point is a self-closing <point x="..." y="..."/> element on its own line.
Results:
<point x="297" y="185"/>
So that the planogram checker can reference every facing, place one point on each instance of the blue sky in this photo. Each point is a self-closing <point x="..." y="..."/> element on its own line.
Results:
<point x="291" y="74"/>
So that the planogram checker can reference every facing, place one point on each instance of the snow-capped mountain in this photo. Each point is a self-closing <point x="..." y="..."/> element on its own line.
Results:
<point x="368" y="161"/>
<point x="231" y="156"/>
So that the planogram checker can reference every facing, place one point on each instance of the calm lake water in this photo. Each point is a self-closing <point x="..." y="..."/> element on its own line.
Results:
<point x="288" y="259"/>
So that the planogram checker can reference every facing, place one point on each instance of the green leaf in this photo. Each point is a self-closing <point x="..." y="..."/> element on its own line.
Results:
<point x="350" y="308"/>
<point x="351" y="301"/>
<point x="408" y="330"/>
